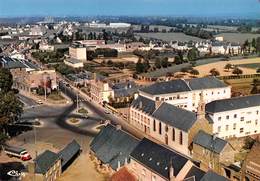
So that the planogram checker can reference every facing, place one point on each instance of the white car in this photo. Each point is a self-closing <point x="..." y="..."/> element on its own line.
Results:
<point x="39" y="101"/>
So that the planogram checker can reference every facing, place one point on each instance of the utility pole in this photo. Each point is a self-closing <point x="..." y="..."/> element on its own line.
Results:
<point x="77" y="101"/>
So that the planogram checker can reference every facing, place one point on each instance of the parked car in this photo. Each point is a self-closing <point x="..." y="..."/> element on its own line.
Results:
<point x="17" y="152"/>
<point x="107" y="111"/>
<point x="39" y="101"/>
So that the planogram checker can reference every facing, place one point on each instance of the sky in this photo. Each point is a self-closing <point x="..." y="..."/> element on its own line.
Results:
<point x="201" y="8"/>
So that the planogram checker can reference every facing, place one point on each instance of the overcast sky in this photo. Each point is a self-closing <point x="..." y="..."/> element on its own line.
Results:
<point x="241" y="8"/>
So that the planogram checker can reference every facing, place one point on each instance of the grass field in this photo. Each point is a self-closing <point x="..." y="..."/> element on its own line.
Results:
<point x="238" y="37"/>
<point x="250" y="65"/>
<point x="169" y="36"/>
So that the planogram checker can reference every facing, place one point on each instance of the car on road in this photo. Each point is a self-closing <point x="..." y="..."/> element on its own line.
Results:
<point x="107" y="111"/>
<point x="39" y="101"/>
<point x="18" y="152"/>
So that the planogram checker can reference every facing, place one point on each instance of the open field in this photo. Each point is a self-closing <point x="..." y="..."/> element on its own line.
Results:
<point x="204" y="69"/>
<point x="169" y="36"/>
<point x="238" y="37"/>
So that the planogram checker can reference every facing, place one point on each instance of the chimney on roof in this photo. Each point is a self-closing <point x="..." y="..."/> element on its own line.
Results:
<point x="118" y="165"/>
<point x="140" y="105"/>
<point x="201" y="107"/>
<point x="118" y="127"/>
<point x="171" y="172"/>
<point x="157" y="104"/>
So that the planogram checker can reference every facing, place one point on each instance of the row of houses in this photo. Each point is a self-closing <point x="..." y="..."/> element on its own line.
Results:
<point x="214" y="47"/>
<point x="119" y="153"/>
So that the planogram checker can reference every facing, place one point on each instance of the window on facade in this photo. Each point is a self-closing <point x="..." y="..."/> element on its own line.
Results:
<point x="160" y="128"/>
<point x="153" y="178"/>
<point x="234" y="126"/>
<point x="166" y="139"/>
<point x="219" y="128"/>
<point x="181" y="141"/>
<point x="235" y="115"/>
<point x="226" y="127"/>
<point x="227" y="117"/>
<point x="256" y="122"/>
<point x="257" y="112"/>
<point x="224" y="91"/>
<point x="178" y="96"/>
<point x="173" y="134"/>
<point x="166" y="128"/>
<point x="241" y="130"/>
<point x="154" y="125"/>
<point x="157" y="98"/>
<point x="242" y="119"/>
<point x="219" y="118"/>
<point x="162" y="99"/>
<point x="170" y="98"/>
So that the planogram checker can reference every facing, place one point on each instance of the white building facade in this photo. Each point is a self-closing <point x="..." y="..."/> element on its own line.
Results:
<point x="235" y="117"/>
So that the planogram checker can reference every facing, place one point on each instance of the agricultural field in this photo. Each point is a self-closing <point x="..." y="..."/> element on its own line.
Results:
<point x="238" y="37"/>
<point x="250" y="65"/>
<point x="169" y="36"/>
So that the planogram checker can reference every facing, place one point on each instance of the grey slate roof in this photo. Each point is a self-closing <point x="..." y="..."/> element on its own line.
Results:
<point x="45" y="161"/>
<point x="167" y="87"/>
<point x="176" y="117"/>
<point x="194" y="174"/>
<point x="180" y="85"/>
<point x="233" y="104"/>
<point x="69" y="152"/>
<point x="112" y="146"/>
<point x="147" y="105"/>
<point x="158" y="158"/>
<point x="212" y="176"/>
<point x="206" y="83"/>
<point x="206" y="140"/>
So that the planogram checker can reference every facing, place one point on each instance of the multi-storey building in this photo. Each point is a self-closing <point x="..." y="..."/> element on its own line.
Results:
<point x="172" y="126"/>
<point x="186" y="93"/>
<point x="235" y="117"/>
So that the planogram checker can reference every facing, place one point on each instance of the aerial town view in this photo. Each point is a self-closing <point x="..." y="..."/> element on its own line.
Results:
<point x="140" y="90"/>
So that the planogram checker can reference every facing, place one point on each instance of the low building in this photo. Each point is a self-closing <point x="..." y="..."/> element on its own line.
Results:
<point x="251" y="165"/>
<point x="111" y="148"/>
<point x="68" y="154"/>
<point x="212" y="152"/>
<point x="235" y="117"/>
<point x="153" y="162"/>
<point x="46" y="47"/>
<point x="45" y="167"/>
<point x="75" y="63"/>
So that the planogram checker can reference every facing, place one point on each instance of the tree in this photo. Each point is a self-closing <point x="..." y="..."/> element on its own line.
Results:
<point x="194" y="72"/>
<point x="258" y="45"/>
<point x="237" y="71"/>
<point x="193" y="54"/>
<point x="177" y="60"/>
<point x="228" y="66"/>
<point x="10" y="106"/>
<point x="248" y="143"/>
<point x="157" y="63"/>
<point x="214" y="72"/>
<point x="139" y="67"/>
<point x="6" y="80"/>
<point x="164" y="62"/>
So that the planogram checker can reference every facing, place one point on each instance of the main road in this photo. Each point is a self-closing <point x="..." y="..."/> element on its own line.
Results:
<point x="98" y="110"/>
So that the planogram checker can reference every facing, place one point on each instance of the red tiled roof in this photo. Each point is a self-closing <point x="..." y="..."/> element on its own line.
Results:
<point x="123" y="175"/>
